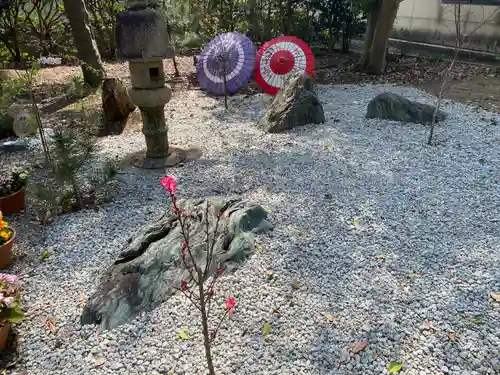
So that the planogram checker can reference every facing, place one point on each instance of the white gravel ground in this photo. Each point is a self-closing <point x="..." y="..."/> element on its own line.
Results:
<point x="342" y="196"/>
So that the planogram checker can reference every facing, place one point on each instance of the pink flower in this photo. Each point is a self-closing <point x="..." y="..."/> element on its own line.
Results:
<point x="229" y="304"/>
<point x="8" y="301"/>
<point x="168" y="182"/>
<point x="11" y="279"/>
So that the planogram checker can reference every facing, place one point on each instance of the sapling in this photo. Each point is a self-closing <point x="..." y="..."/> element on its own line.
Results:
<point x="460" y="39"/>
<point x="194" y="287"/>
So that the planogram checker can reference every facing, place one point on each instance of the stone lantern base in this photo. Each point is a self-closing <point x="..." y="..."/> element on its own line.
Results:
<point x="176" y="157"/>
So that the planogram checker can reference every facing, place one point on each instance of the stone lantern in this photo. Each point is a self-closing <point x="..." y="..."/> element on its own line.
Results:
<point x="142" y="40"/>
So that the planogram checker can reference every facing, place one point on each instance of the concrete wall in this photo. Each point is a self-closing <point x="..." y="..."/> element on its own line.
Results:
<point x="431" y="22"/>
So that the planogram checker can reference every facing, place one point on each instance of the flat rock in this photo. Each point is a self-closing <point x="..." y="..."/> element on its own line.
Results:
<point x="296" y="104"/>
<point x="150" y="268"/>
<point x="390" y="106"/>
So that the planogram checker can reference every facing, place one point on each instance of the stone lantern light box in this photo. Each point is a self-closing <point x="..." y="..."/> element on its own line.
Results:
<point x="142" y="40"/>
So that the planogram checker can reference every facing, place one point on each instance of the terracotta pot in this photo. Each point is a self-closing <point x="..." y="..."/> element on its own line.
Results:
<point x="6" y="250"/>
<point x="4" y="335"/>
<point x="12" y="203"/>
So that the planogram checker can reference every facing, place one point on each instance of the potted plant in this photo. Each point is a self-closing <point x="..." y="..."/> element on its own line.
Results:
<point x="10" y="306"/>
<point x="12" y="185"/>
<point x="7" y="236"/>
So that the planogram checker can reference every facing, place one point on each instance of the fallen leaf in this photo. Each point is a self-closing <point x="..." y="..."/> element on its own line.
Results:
<point x="374" y="354"/>
<point x="380" y="257"/>
<point x="45" y="255"/>
<point x="452" y="336"/>
<point x="428" y="325"/>
<point x="183" y="335"/>
<point x="327" y="148"/>
<point x="394" y="367"/>
<point x="81" y="300"/>
<point x="495" y="296"/>
<point x="413" y="275"/>
<point x="275" y="310"/>
<point x="49" y="323"/>
<point x="99" y="362"/>
<point x="266" y="330"/>
<point x="332" y="318"/>
<point x="268" y="274"/>
<point x="259" y="247"/>
<point x="295" y="284"/>
<point x="476" y="320"/>
<point x="359" y="346"/>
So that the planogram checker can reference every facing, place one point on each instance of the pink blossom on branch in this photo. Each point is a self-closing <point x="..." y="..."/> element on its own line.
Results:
<point x="229" y="304"/>
<point x="168" y="182"/>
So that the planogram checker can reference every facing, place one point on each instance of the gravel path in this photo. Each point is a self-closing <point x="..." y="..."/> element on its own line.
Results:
<point x="380" y="230"/>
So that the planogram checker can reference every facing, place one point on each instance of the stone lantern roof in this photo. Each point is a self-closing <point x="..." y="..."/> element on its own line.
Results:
<point x="141" y="33"/>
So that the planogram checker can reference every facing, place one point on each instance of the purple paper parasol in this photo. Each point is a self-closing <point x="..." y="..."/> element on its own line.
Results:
<point x="230" y="56"/>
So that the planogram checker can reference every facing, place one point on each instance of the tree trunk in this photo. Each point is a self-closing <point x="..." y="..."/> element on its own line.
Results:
<point x="377" y="62"/>
<point x="289" y="17"/>
<point x="88" y="53"/>
<point x="370" y="31"/>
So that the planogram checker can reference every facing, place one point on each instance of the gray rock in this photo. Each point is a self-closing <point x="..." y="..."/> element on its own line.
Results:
<point x="391" y="106"/>
<point x="6" y="129"/>
<point x="12" y="146"/>
<point x="150" y="268"/>
<point x="295" y="105"/>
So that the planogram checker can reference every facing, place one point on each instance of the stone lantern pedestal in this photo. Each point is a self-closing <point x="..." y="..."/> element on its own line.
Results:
<point x="142" y="40"/>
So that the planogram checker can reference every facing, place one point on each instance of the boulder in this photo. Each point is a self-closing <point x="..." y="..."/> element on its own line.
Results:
<point x="149" y="269"/>
<point x="6" y="128"/>
<point x="116" y="103"/>
<point x="296" y="104"/>
<point x="390" y="106"/>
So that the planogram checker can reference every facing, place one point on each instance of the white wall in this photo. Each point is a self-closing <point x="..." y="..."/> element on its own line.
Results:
<point x="430" y="21"/>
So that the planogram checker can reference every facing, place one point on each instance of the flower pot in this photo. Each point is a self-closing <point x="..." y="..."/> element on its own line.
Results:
<point x="12" y="203"/>
<point x="6" y="251"/>
<point x="4" y="335"/>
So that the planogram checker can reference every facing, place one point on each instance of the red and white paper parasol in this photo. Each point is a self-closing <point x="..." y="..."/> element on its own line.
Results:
<point x="278" y="59"/>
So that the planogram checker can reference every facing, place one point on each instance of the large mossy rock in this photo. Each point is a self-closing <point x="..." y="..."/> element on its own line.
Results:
<point x="295" y="105"/>
<point x="390" y="106"/>
<point x="150" y="268"/>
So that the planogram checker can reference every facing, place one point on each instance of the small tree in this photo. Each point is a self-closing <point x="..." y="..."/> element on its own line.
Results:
<point x="199" y="271"/>
<point x="460" y="38"/>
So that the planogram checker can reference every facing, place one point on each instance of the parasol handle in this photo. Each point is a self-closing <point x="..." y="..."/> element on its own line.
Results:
<point x="225" y="82"/>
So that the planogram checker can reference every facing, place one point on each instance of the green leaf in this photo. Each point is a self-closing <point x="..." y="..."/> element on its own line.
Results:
<point x="183" y="335"/>
<point x="44" y="255"/>
<point x="266" y="330"/>
<point x="412" y="275"/>
<point x="16" y="315"/>
<point x="394" y="367"/>
<point x="476" y="320"/>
